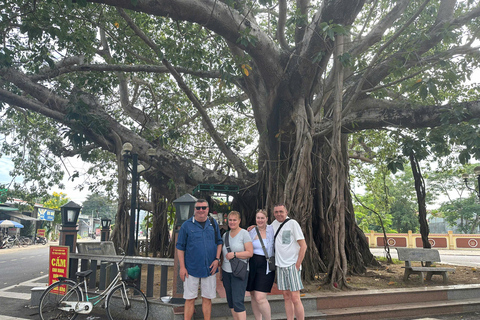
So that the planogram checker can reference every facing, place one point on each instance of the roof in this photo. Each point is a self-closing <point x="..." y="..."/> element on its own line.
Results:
<point x="5" y="208"/>
<point x="21" y="216"/>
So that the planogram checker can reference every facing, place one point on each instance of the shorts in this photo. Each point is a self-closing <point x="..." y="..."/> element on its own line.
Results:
<point x="235" y="291"/>
<point x="208" y="285"/>
<point x="258" y="280"/>
<point x="289" y="278"/>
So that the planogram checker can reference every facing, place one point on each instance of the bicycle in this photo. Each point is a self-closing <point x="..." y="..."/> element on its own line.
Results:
<point x="66" y="298"/>
<point x="17" y="241"/>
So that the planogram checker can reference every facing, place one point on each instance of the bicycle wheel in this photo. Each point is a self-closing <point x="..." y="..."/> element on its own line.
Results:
<point x="52" y="298"/>
<point x="25" y="241"/>
<point x="126" y="303"/>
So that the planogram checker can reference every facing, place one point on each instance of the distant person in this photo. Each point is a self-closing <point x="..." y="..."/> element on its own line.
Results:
<point x="199" y="247"/>
<point x="290" y="248"/>
<point x="240" y="247"/>
<point x="260" y="277"/>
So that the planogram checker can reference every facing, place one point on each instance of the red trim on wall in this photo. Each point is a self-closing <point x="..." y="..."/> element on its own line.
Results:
<point x="392" y="241"/>
<point x="468" y="242"/>
<point x="435" y="242"/>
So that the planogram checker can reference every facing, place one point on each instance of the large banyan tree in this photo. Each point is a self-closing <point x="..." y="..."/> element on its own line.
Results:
<point x="260" y="94"/>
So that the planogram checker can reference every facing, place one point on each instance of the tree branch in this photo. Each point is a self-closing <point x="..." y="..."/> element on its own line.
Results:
<point x="218" y="17"/>
<point x="236" y="161"/>
<point x="374" y="114"/>
<point x="52" y="73"/>
<point x="282" y="19"/>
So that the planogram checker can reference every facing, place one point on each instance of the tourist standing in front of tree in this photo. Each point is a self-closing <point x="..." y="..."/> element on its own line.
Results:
<point x="290" y="248"/>
<point x="260" y="277"/>
<point x="241" y="248"/>
<point x="199" y="246"/>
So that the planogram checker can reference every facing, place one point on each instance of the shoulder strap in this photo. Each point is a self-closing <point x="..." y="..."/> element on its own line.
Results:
<point x="214" y="228"/>
<point x="275" y="237"/>
<point x="261" y="241"/>
<point x="227" y="242"/>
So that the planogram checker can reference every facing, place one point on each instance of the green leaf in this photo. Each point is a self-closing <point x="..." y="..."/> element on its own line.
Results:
<point x="423" y="92"/>
<point x="345" y="59"/>
<point x="318" y="57"/>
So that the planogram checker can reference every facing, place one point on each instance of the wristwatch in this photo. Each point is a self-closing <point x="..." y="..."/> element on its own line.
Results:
<point x="234" y="254"/>
<point x="217" y="259"/>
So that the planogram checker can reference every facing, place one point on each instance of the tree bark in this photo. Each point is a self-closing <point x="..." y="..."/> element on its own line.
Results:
<point x="421" y="195"/>
<point x="161" y="243"/>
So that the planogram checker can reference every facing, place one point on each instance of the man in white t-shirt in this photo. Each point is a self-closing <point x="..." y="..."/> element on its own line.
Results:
<point x="290" y="248"/>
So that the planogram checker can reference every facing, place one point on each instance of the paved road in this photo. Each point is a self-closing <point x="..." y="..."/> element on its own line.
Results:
<point x="470" y="258"/>
<point x="22" y="264"/>
<point x="21" y="270"/>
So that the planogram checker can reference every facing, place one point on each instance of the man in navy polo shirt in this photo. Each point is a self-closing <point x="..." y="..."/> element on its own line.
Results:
<point x="198" y="251"/>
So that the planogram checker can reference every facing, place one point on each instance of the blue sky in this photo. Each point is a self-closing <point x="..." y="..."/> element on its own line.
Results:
<point x="73" y="164"/>
<point x="5" y="166"/>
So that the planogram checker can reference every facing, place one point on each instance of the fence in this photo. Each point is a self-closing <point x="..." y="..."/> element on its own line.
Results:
<point x="449" y="241"/>
<point x="107" y="272"/>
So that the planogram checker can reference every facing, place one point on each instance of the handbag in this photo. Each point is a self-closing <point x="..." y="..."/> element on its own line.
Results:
<point x="270" y="260"/>
<point x="239" y="267"/>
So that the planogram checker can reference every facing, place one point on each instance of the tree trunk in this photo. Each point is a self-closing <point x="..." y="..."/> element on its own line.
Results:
<point x="421" y="194"/>
<point x="120" y="231"/>
<point x="299" y="174"/>
<point x="160" y="239"/>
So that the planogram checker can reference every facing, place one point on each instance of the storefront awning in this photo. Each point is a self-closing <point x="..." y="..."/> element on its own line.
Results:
<point x="21" y="216"/>
<point x="4" y="208"/>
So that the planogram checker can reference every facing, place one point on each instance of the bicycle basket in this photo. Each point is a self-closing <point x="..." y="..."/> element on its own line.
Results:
<point x="133" y="272"/>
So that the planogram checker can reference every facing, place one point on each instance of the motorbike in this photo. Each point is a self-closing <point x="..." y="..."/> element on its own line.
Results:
<point x="41" y="240"/>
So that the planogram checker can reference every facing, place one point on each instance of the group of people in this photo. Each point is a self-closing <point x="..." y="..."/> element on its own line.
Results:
<point x="201" y="250"/>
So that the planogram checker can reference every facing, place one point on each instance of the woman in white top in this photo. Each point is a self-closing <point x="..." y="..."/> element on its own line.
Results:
<point x="241" y="247"/>
<point x="260" y="278"/>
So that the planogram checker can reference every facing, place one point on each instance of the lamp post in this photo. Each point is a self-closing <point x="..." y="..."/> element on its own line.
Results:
<point x="465" y="176"/>
<point x="68" y="231"/>
<point x="127" y="156"/>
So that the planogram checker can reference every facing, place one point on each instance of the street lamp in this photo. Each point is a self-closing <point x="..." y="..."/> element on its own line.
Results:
<point x="184" y="208"/>
<point x="465" y="176"/>
<point x="68" y="231"/>
<point x="134" y="169"/>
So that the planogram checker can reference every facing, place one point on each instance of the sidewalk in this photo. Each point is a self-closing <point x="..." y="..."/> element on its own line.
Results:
<point x="15" y="300"/>
<point x="221" y="289"/>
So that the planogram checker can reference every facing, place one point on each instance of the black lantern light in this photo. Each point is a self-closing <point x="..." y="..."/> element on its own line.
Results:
<point x="465" y="176"/>
<point x="105" y="232"/>
<point x="184" y="208"/>
<point x="70" y="212"/>
<point x="68" y="231"/>
<point x="105" y="223"/>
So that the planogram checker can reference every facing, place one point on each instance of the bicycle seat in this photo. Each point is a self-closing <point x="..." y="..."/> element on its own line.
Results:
<point x="85" y="273"/>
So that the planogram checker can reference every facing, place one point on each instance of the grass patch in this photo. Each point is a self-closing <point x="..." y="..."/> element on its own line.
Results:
<point x="384" y="259"/>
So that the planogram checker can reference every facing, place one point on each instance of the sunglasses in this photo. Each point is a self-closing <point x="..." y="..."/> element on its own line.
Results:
<point x="201" y="208"/>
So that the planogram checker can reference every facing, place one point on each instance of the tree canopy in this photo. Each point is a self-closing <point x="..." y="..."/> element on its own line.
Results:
<point x="259" y="94"/>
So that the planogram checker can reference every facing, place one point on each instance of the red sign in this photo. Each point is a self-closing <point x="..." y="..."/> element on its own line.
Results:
<point x="41" y="233"/>
<point x="58" y="263"/>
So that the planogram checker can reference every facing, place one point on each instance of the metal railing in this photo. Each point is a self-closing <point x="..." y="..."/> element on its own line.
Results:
<point x="107" y="271"/>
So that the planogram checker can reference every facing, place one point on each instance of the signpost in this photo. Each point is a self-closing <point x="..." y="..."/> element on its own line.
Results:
<point x="46" y="214"/>
<point x="41" y="233"/>
<point x="58" y="263"/>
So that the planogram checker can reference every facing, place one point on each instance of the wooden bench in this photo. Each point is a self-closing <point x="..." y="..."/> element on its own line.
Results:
<point x="425" y="257"/>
